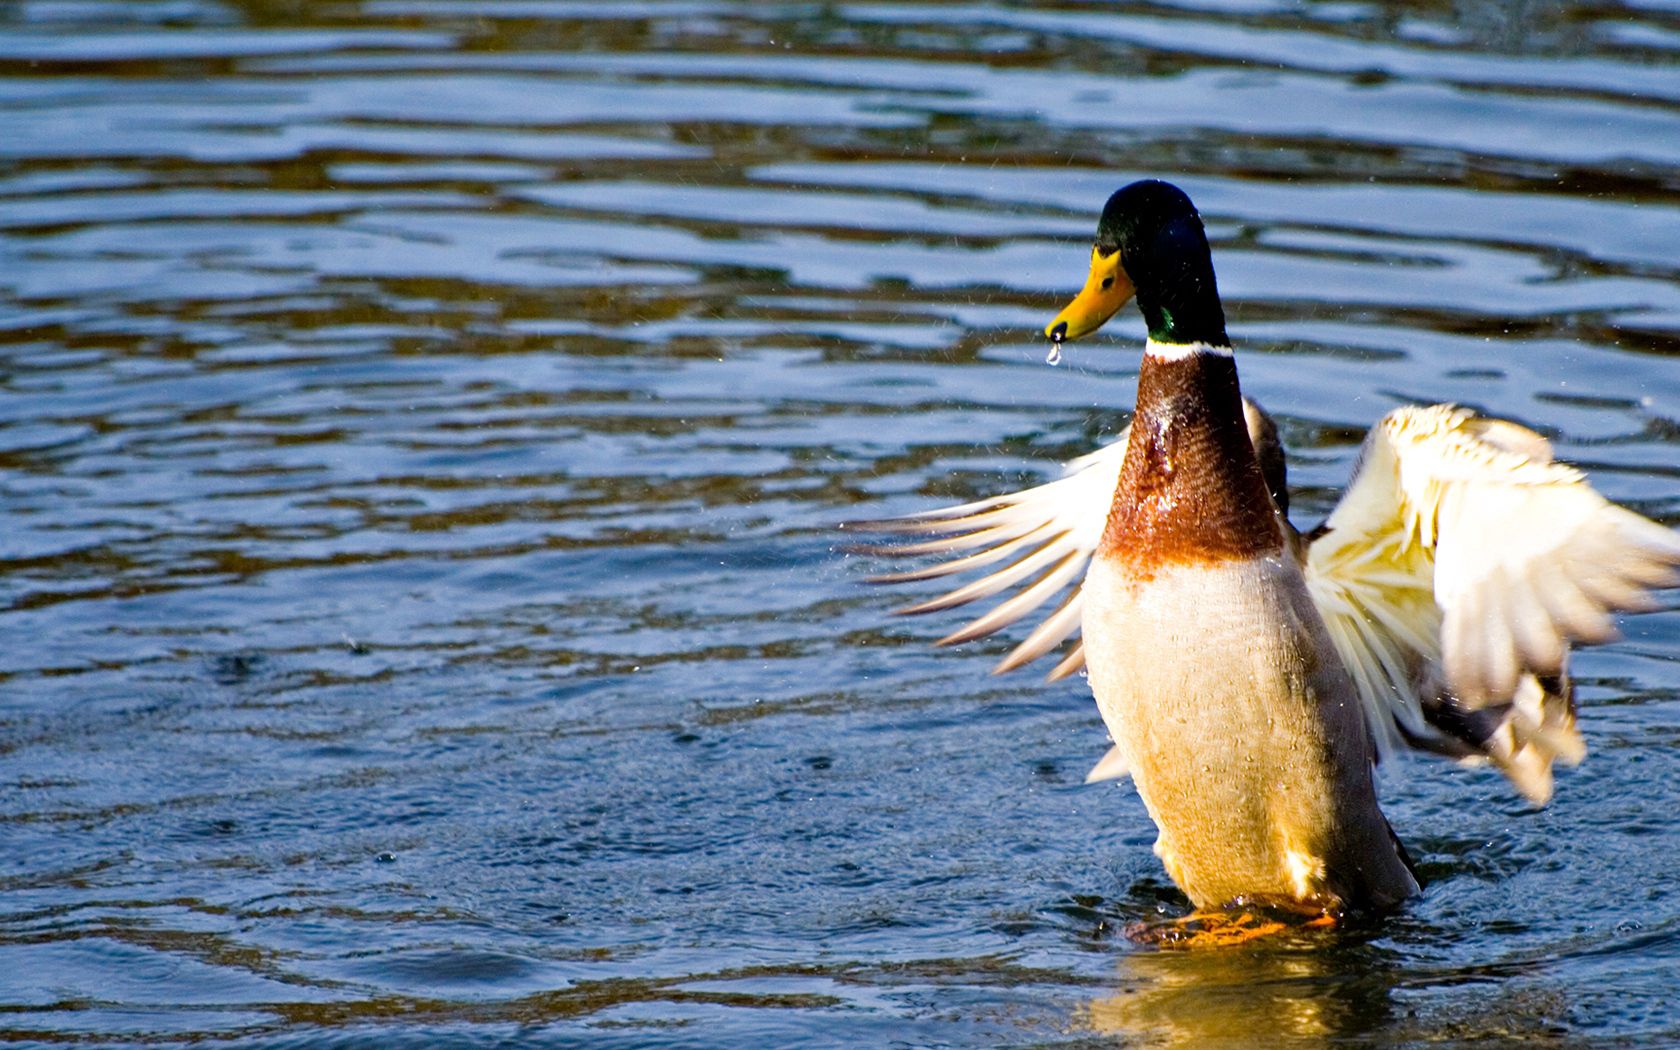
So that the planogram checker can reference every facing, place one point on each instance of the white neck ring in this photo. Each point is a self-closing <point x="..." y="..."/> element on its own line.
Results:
<point x="1183" y="351"/>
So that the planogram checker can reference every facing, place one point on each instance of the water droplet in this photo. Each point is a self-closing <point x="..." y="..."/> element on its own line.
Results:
<point x="1054" y="357"/>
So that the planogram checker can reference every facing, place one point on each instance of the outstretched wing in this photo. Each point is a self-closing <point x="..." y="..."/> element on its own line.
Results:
<point x="1043" y="535"/>
<point x="1455" y="573"/>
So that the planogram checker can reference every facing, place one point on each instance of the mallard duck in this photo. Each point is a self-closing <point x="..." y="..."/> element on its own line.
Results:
<point x="1250" y="676"/>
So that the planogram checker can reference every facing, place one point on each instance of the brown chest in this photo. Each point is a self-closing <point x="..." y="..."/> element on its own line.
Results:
<point x="1190" y="490"/>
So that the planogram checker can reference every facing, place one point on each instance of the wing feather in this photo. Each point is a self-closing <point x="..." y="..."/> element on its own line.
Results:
<point x="1112" y="766"/>
<point x="1048" y="552"/>
<point x="1045" y="535"/>
<point x="1456" y="572"/>
<point x="1055" y="629"/>
<point x="1012" y="609"/>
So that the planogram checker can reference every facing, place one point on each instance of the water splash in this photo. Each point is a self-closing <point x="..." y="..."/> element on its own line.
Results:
<point x="1054" y="357"/>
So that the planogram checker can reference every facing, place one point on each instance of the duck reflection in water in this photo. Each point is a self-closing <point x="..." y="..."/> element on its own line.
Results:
<point x="1285" y="993"/>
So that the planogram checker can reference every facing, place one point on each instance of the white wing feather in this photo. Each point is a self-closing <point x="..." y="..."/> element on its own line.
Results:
<point x="1112" y="766"/>
<point x="1463" y="560"/>
<point x="1049" y="532"/>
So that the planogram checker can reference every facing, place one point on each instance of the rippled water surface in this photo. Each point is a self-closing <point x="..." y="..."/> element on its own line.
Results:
<point x="423" y="426"/>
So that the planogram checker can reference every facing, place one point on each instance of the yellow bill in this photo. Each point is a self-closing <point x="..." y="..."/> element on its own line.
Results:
<point x="1106" y="290"/>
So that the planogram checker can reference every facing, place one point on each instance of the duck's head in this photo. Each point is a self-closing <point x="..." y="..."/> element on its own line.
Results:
<point x="1150" y="243"/>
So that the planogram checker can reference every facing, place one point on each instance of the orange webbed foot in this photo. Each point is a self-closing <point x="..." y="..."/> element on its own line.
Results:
<point x="1223" y="929"/>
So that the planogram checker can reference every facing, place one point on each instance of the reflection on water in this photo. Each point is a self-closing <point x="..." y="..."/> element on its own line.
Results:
<point x="1328" y="990"/>
<point x="423" y="425"/>
<point x="1309" y="994"/>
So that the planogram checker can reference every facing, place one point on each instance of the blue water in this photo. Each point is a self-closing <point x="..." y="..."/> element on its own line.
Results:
<point x="423" y="427"/>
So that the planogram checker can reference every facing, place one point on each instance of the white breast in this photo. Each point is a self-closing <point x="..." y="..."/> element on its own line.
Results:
<point x="1240" y="726"/>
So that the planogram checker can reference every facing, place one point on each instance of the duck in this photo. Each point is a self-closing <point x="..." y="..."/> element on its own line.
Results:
<point x="1251" y="676"/>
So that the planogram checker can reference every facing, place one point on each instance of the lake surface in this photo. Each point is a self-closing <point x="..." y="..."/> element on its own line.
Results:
<point x="423" y="427"/>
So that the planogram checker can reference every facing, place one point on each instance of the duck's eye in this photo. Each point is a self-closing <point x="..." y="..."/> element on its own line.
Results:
<point x="1108" y="282"/>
